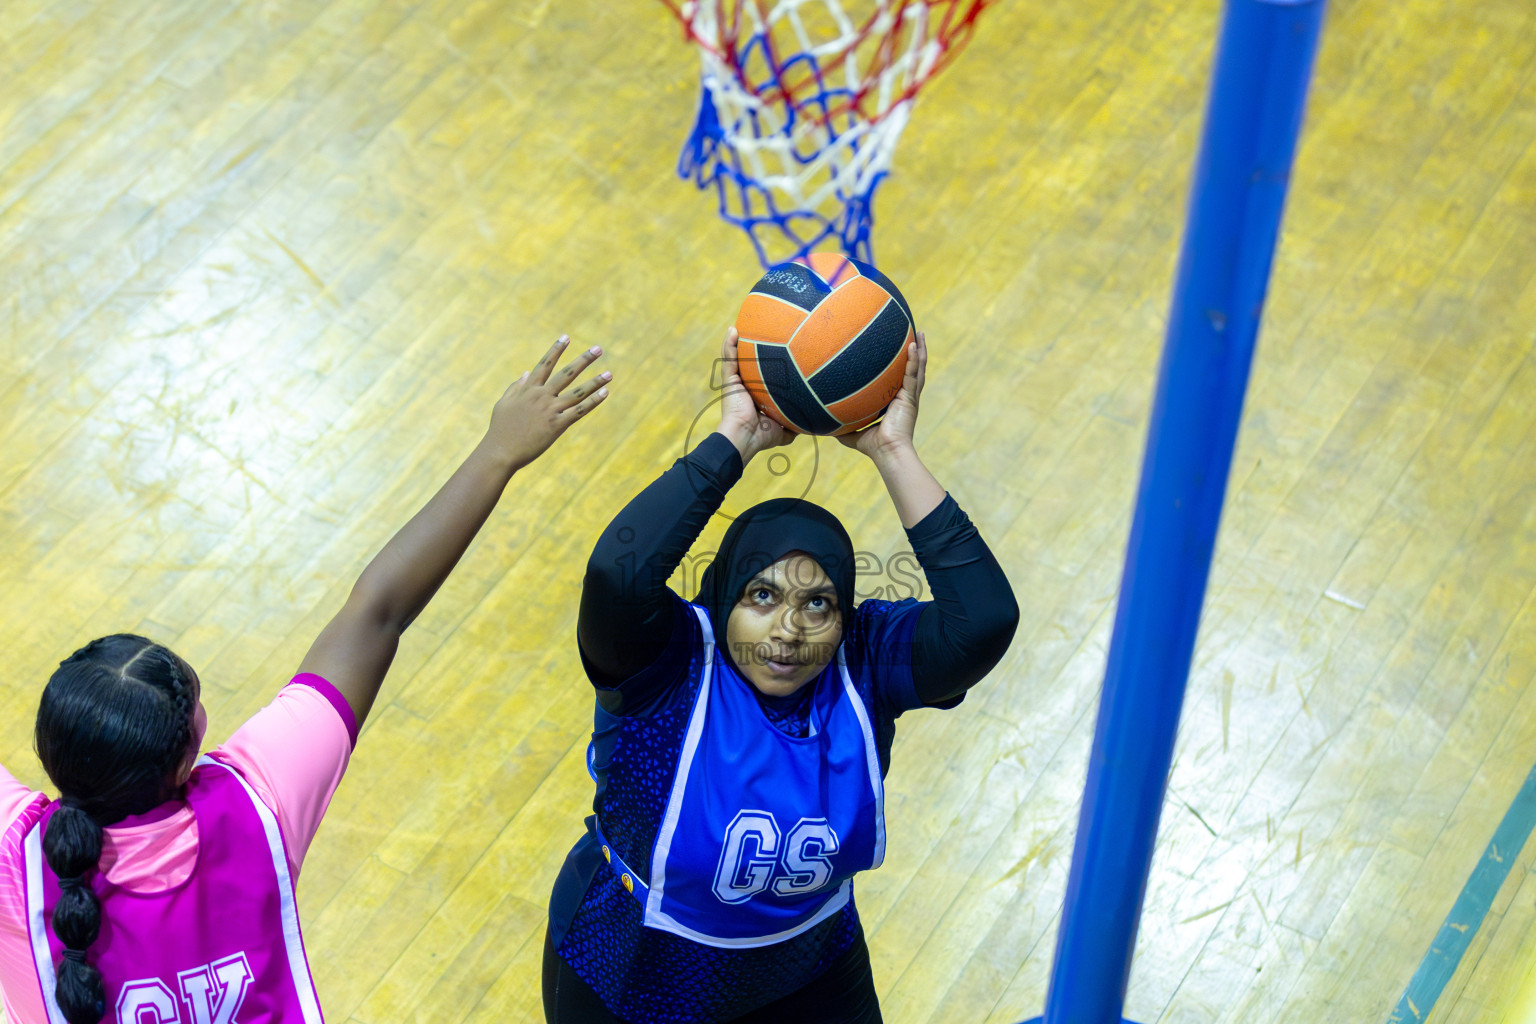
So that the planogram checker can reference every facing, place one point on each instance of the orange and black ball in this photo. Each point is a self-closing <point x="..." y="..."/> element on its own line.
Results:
<point x="823" y="343"/>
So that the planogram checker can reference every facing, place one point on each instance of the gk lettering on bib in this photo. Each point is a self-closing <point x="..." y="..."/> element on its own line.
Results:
<point x="212" y="994"/>
<point x="221" y="948"/>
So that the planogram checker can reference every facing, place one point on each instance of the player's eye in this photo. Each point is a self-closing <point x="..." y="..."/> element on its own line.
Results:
<point x="762" y="595"/>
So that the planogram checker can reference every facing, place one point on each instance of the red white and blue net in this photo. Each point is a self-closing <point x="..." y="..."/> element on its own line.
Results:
<point x="801" y="108"/>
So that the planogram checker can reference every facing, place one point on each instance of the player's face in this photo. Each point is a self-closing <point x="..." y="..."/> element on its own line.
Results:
<point x="785" y="626"/>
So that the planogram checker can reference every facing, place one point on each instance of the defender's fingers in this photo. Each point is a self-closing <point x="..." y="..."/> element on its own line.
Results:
<point x="584" y="406"/>
<point x="542" y="369"/>
<point x="582" y="390"/>
<point x="569" y="373"/>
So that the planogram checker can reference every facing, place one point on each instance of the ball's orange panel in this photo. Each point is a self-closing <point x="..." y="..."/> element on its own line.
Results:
<point x="752" y="377"/>
<point x="837" y="321"/>
<point x="833" y="267"/>
<point x="860" y="409"/>
<point x="765" y="318"/>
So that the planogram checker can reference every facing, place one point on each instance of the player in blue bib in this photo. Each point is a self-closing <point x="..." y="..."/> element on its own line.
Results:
<point x="740" y="741"/>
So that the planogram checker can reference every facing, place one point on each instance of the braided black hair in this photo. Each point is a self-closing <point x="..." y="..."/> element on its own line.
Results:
<point x="114" y="725"/>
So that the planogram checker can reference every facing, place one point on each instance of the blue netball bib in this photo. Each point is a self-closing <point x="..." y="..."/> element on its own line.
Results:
<point x="763" y="832"/>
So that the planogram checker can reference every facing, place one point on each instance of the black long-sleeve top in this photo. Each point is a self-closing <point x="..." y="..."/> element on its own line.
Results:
<point x="626" y="618"/>
<point x="637" y="641"/>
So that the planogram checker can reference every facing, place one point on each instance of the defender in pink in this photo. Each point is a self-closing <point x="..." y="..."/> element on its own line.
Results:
<point x="159" y="887"/>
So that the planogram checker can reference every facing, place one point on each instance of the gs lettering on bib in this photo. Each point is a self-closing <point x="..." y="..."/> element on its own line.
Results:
<point x="223" y="947"/>
<point x="764" y="832"/>
<point x="803" y="867"/>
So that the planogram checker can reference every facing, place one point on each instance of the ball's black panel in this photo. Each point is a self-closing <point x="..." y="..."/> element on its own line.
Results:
<point x="793" y="283"/>
<point x="885" y="282"/>
<point x="865" y="359"/>
<point x="782" y="379"/>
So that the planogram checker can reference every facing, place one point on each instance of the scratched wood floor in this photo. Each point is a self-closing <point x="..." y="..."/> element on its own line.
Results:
<point x="266" y="265"/>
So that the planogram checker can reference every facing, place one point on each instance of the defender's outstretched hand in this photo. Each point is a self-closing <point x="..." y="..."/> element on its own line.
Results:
<point x="543" y="402"/>
<point x="355" y="649"/>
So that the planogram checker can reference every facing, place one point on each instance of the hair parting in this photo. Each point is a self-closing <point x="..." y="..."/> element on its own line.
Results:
<point x="114" y="725"/>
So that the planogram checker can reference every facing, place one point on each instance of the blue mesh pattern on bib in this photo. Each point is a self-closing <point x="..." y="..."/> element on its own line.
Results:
<point x="638" y="779"/>
<point x="655" y="977"/>
<point x="794" y="720"/>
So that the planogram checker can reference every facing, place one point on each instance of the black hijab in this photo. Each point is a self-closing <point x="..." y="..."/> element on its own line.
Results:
<point x="762" y="535"/>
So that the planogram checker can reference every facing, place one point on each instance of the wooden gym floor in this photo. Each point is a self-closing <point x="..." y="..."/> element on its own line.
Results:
<point x="267" y="265"/>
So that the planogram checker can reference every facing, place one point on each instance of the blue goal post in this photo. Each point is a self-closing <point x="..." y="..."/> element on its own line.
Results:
<point x="1263" y="65"/>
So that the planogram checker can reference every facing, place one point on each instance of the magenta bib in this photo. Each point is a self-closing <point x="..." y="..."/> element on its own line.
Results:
<point x="223" y="947"/>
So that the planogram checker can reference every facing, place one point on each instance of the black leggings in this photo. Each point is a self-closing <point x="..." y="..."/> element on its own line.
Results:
<point x="844" y="994"/>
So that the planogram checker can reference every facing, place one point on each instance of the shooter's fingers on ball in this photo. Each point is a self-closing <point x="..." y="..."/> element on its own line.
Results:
<point x="851" y="439"/>
<point x="776" y="435"/>
<point x="728" y="357"/>
<point x="917" y="368"/>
